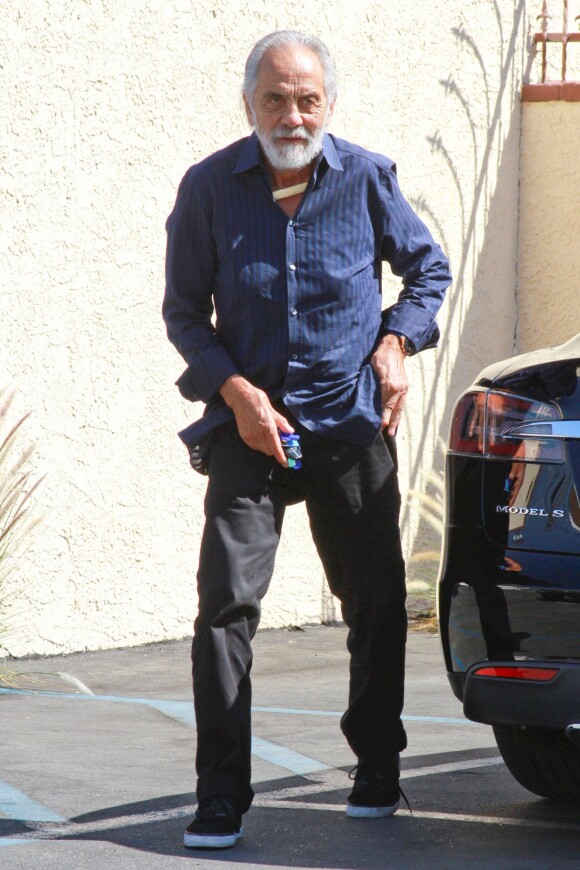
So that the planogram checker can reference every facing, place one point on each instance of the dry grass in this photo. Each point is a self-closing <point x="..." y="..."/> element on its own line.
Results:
<point x="19" y="517"/>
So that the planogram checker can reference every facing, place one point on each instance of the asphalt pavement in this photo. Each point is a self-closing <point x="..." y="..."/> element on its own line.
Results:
<point x="97" y="769"/>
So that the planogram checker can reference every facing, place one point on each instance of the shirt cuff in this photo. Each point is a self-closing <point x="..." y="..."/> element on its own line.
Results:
<point x="404" y="318"/>
<point x="204" y="376"/>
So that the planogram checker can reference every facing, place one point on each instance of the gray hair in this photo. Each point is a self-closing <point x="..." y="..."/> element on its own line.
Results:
<point x="282" y="39"/>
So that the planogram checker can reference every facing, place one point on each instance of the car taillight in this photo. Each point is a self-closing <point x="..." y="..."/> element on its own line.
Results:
<point x="467" y="425"/>
<point x="505" y="437"/>
<point x="494" y="424"/>
<point x="516" y="672"/>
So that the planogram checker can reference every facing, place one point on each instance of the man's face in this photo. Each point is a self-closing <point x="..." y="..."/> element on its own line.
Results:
<point x="290" y="111"/>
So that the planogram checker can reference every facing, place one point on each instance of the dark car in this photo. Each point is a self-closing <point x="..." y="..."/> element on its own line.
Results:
<point x="509" y="581"/>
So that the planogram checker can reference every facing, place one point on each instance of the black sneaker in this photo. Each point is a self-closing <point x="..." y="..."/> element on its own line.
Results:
<point x="216" y="825"/>
<point x="376" y="792"/>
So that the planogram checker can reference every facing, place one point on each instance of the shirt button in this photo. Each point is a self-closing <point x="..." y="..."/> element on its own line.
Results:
<point x="293" y="312"/>
<point x="292" y="267"/>
<point x="294" y="356"/>
<point x="291" y="223"/>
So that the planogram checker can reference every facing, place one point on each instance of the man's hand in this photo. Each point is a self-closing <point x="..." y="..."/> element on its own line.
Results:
<point x="517" y="473"/>
<point x="389" y="363"/>
<point x="516" y="477"/>
<point x="258" y="422"/>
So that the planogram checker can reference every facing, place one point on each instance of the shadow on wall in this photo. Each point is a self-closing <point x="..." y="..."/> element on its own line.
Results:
<point x="481" y="305"/>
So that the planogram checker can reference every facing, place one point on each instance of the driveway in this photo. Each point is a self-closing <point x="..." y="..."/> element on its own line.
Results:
<point x="97" y="769"/>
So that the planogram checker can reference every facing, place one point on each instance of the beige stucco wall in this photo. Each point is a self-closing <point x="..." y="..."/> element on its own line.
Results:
<point x="103" y="106"/>
<point x="549" y="234"/>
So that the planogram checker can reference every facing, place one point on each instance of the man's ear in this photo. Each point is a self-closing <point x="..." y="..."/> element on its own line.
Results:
<point x="249" y="115"/>
<point x="331" y="108"/>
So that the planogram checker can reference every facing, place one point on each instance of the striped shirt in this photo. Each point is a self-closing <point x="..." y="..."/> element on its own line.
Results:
<point x="294" y="304"/>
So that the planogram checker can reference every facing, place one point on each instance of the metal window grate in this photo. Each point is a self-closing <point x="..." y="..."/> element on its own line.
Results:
<point x="564" y="37"/>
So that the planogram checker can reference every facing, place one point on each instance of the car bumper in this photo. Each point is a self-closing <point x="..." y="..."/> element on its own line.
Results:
<point x="489" y="611"/>
<point x="554" y="703"/>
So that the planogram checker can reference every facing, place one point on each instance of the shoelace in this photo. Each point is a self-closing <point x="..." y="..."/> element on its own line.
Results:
<point x="404" y="796"/>
<point x="216" y="808"/>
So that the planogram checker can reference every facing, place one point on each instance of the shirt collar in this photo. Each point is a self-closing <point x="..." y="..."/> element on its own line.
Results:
<point x="250" y="155"/>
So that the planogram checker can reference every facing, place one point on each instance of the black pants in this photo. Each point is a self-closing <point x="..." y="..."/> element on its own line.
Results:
<point x="353" y="502"/>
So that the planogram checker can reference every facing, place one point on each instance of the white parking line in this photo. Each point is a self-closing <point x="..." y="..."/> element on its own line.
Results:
<point x="76" y="829"/>
<point x="420" y="814"/>
<point x="285" y="758"/>
<point x="451" y="767"/>
<point x="326" y="781"/>
<point x="336" y="780"/>
<point x="323" y="780"/>
<point x="183" y="710"/>
<point x="14" y="804"/>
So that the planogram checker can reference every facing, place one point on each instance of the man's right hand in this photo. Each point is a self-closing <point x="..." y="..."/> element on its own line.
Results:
<point x="258" y="422"/>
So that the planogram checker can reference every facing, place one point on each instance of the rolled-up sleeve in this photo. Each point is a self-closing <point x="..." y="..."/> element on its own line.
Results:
<point x="413" y="255"/>
<point x="190" y="267"/>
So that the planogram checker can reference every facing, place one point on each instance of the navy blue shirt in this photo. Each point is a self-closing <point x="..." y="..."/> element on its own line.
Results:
<point x="294" y="304"/>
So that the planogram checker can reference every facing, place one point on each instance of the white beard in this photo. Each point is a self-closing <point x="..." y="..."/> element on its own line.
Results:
<point x="290" y="157"/>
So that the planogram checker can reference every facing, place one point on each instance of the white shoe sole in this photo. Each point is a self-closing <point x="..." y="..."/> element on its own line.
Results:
<point x="355" y="812"/>
<point x="203" y="841"/>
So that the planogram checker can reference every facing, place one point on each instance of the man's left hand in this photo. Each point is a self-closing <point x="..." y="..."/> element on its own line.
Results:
<point x="389" y="363"/>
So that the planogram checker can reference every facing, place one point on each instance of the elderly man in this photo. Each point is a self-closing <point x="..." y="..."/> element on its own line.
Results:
<point x="283" y="235"/>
